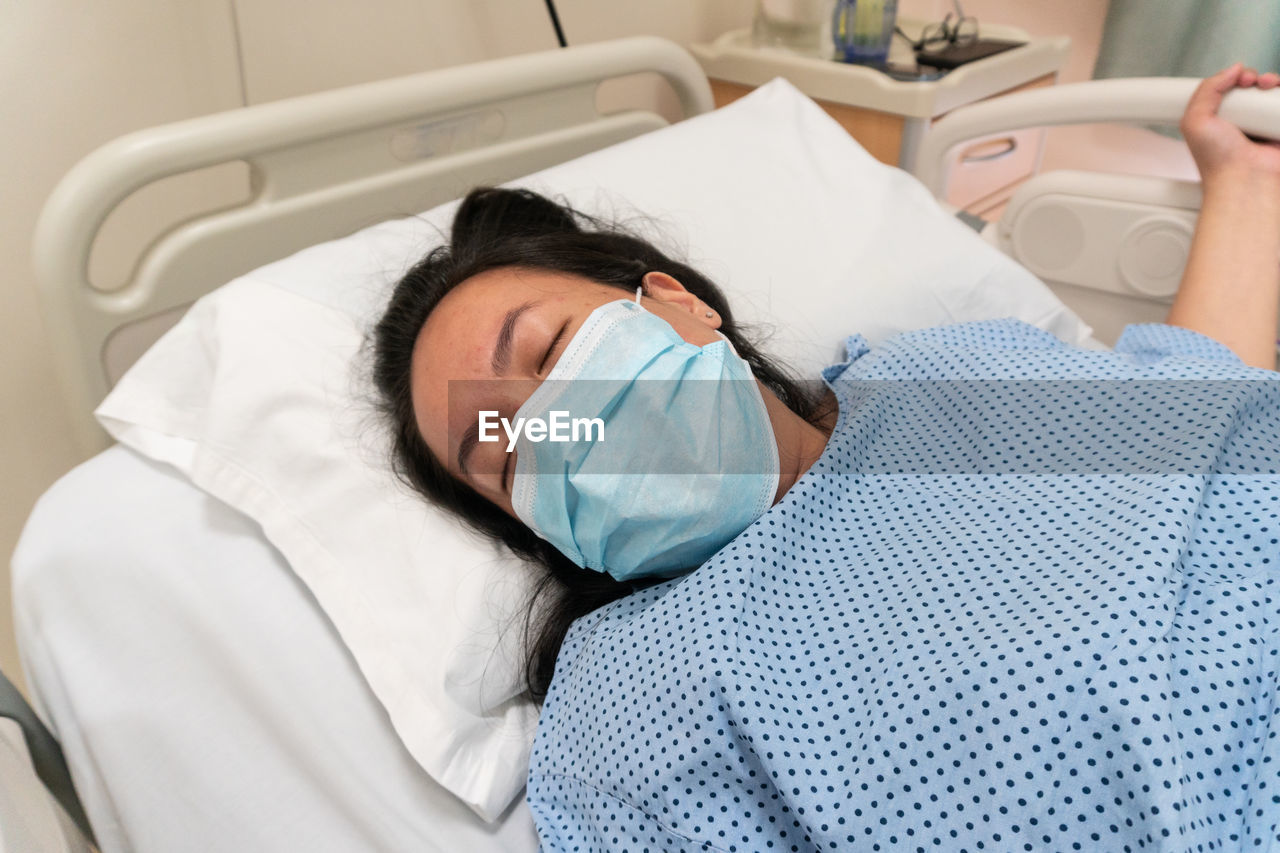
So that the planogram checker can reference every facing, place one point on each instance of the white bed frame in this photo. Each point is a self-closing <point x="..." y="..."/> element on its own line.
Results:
<point x="325" y="165"/>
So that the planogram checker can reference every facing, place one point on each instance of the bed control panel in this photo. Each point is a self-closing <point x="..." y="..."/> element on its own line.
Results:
<point x="1121" y="234"/>
<point x="1112" y="246"/>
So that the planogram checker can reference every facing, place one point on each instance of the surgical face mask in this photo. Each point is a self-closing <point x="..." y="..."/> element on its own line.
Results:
<point x="685" y="461"/>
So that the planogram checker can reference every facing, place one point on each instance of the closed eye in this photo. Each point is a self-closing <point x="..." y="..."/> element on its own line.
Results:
<point x="555" y="343"/>
<point x="506" y="474"/>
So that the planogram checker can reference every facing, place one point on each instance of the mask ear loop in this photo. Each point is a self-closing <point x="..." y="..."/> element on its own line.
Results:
<point x="639" y="290"/>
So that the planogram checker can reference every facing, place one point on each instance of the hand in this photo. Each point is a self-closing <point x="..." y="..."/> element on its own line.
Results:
<point x="1230" y="289"/>
<point x="1219" y="147"/>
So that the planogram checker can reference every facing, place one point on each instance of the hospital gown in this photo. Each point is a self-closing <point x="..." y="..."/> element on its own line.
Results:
<point x="1026" y="600"/>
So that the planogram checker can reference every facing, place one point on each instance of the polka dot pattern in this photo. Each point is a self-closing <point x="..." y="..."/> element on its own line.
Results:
<point x="939" y="641"/>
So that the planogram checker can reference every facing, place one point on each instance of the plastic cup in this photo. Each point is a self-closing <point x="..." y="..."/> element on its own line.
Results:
<point x="862" y="29"/>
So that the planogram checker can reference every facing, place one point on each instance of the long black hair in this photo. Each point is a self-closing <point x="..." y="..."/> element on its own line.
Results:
<point x="492" y="229"/>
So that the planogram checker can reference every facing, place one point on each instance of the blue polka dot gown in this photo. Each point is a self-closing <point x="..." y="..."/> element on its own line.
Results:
<point x="1026" y="600"/>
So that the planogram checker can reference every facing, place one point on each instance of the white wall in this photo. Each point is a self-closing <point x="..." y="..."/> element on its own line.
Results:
<point x="340" y="42"/>
<point x="74" y="75"/>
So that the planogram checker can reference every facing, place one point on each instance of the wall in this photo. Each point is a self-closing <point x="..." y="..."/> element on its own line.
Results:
<point x="349" y="41"/>
<point x="74" y="75"/>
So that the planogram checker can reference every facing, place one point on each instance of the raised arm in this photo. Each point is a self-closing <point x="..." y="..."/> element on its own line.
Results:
<point x="1231" y="288"/>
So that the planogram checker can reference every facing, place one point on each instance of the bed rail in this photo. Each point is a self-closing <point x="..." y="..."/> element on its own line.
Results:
<point x="322" y="166"/>
<point x="1148" y="100"/>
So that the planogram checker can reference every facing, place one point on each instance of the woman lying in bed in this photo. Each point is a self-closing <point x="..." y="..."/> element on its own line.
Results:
<point x="983" y="591"/>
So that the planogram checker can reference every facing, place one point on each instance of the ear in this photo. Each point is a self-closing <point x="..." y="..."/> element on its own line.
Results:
<point x="661" y="287"/>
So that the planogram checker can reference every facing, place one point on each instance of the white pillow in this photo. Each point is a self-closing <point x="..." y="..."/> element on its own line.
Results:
<point x="259" y="393"/>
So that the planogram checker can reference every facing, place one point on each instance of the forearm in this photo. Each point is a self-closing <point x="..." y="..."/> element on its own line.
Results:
<point x="1230" y="290"/>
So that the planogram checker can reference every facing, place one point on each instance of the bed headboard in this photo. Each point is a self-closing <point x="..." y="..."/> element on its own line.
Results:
<point x="322" y="166"/>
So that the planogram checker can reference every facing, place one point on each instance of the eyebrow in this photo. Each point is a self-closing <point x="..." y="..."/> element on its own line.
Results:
<point x="502" y="350"/>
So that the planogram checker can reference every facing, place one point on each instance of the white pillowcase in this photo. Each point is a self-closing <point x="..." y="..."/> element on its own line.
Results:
<point x="259" y="394"/>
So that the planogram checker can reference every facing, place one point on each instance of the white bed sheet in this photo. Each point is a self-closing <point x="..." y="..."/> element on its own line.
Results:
<point x="207" y="685"/>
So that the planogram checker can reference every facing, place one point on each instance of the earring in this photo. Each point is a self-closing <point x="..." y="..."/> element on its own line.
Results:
<point x="710" y="314"/>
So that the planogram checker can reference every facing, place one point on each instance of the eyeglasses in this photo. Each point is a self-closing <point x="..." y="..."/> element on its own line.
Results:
<point x="955" y="28"/>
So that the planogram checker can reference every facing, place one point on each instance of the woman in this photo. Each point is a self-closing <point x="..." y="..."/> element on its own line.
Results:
<point x="932" y="613"/>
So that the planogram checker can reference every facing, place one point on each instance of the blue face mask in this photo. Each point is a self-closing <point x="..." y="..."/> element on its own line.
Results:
<point x="687" y="459"/>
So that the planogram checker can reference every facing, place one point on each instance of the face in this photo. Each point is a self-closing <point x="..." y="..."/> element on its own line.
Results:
<point x="512" y="324"/>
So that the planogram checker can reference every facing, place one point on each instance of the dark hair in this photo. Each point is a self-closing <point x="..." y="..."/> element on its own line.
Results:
<point x="497" y="228"/>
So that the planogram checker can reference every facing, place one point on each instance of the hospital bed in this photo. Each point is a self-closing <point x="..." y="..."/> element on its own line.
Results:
<point x="223" y="664"/>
